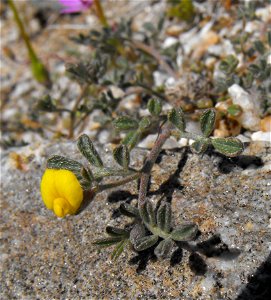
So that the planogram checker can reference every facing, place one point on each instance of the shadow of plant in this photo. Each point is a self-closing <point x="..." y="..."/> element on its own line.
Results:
<point x="142" y="258"/>
<point x="227" y="164"/>
<point x="213" y="247"/>
<point x="259" y="284"/>
<point x="166" y="188"/>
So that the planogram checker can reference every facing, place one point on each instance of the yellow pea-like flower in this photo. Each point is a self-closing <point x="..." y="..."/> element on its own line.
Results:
<point x="61" y="192"/>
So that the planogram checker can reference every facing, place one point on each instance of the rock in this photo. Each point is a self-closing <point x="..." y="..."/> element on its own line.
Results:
<point x="261" y="136"/>
<point x="264" y="13"/>
<point x="206" y="41"/>
<point x="149" y="141"/>
<point x="243" y="138"/>
<point x="159" y="78"/>
<point x="117" y="92"/>
<point x="48" y="258"/>
<point x="266" y="124"/>
<point x="250" y="117"/>
<point x="226" y="128"/>
<point x="169" y="41"/>
<point x="174" y="30"/>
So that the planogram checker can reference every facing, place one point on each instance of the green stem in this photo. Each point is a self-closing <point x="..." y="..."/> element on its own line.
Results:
<point x="107" y="172"/>
<point x="154" y="53"/>
<point x="38" y="70"/>
<point x="74" y="110"/>
<point x="160" y="96"/>
<point x="110" y="185"/>
<point x="61" y="110"/>
<point x="100" y="13"/>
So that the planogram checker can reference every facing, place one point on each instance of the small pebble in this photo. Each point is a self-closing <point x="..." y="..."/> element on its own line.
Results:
<point x="250" y="117"/>
<point x="261" y="136"/>
<point x="266" y="124"/>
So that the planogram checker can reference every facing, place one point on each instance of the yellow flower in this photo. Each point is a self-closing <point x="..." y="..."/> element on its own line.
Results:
<point x="61" y="192"/>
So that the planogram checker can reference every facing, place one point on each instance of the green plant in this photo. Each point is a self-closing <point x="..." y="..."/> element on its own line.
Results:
<point x="249" y="75"/>
<point x="181" y="9"/>
<point x="39" y="71"/>
<point x="151" y="225"/>
<point x="119" y="60"/>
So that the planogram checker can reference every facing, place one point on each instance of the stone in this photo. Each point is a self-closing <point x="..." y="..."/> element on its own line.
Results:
<point x="250" y="117"/>
<point x="266" y="124"/>
<point x="261" y="136"/>
<point x="43" y="257"/>
<point x="174" y="30"/>
<point x="169" y="41"/>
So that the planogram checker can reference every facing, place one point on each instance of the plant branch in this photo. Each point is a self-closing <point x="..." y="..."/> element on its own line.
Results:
<point x="151" y="158"/>
<point x="113" y="184"/>
<point x="154" y="53"/>
<point x="39" y="71"/>
<point x="61" y="110"/>
<point x="159" y="95"/>
<point x="74" y="109"/>
<point x="100" y="13"/>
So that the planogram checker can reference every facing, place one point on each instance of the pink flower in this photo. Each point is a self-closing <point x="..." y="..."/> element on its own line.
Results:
<point x="74" y="6"/>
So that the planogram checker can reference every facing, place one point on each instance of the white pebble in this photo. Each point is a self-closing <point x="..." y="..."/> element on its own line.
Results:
<point x="250" y="117"/>
<point x="261" y="136"/>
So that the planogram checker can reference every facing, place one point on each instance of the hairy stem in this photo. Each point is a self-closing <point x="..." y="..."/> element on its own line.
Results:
<point x="151" y="158"/>
<point x="159" y="95"/>
<point x="113" y="184"/>
<point x="154" y="53"/>
<point x="73" y="112"/>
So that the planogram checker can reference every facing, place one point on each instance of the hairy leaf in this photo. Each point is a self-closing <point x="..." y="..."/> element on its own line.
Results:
<point x="228" y="146"/>
<point x="46" y="104"/>
<point x="185" y="232"/>
<point x="131" y="139"/>
<point x="155" y="106"/>
<point x="129" y="210"/>
<point x="108" y="241"/>
<point x="164" y="217"/>
<point x="229" y="64"/>
<point x="119" y="249"/>
<point x="122" y="156"/>
<point x="207" y="121"/>
<point x="176" y="117"/>
<point x="248" y="80"/>
<point x="164" y="248"/>
<point x="147" y="213"/>
<point x="200" y="146"/>
<point x="137" y="233"/>
<point x="117" y="232"/>
<point x="151" y="214"/>
<point x="125" y="123"/>
<point x="144" y="123"/>
<point x="87" y="148"/>
<point x="145" y="242"/>
<point x="59" y="162"/>
<point x="259" y="46"/>
<point x="88" y="72"/>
